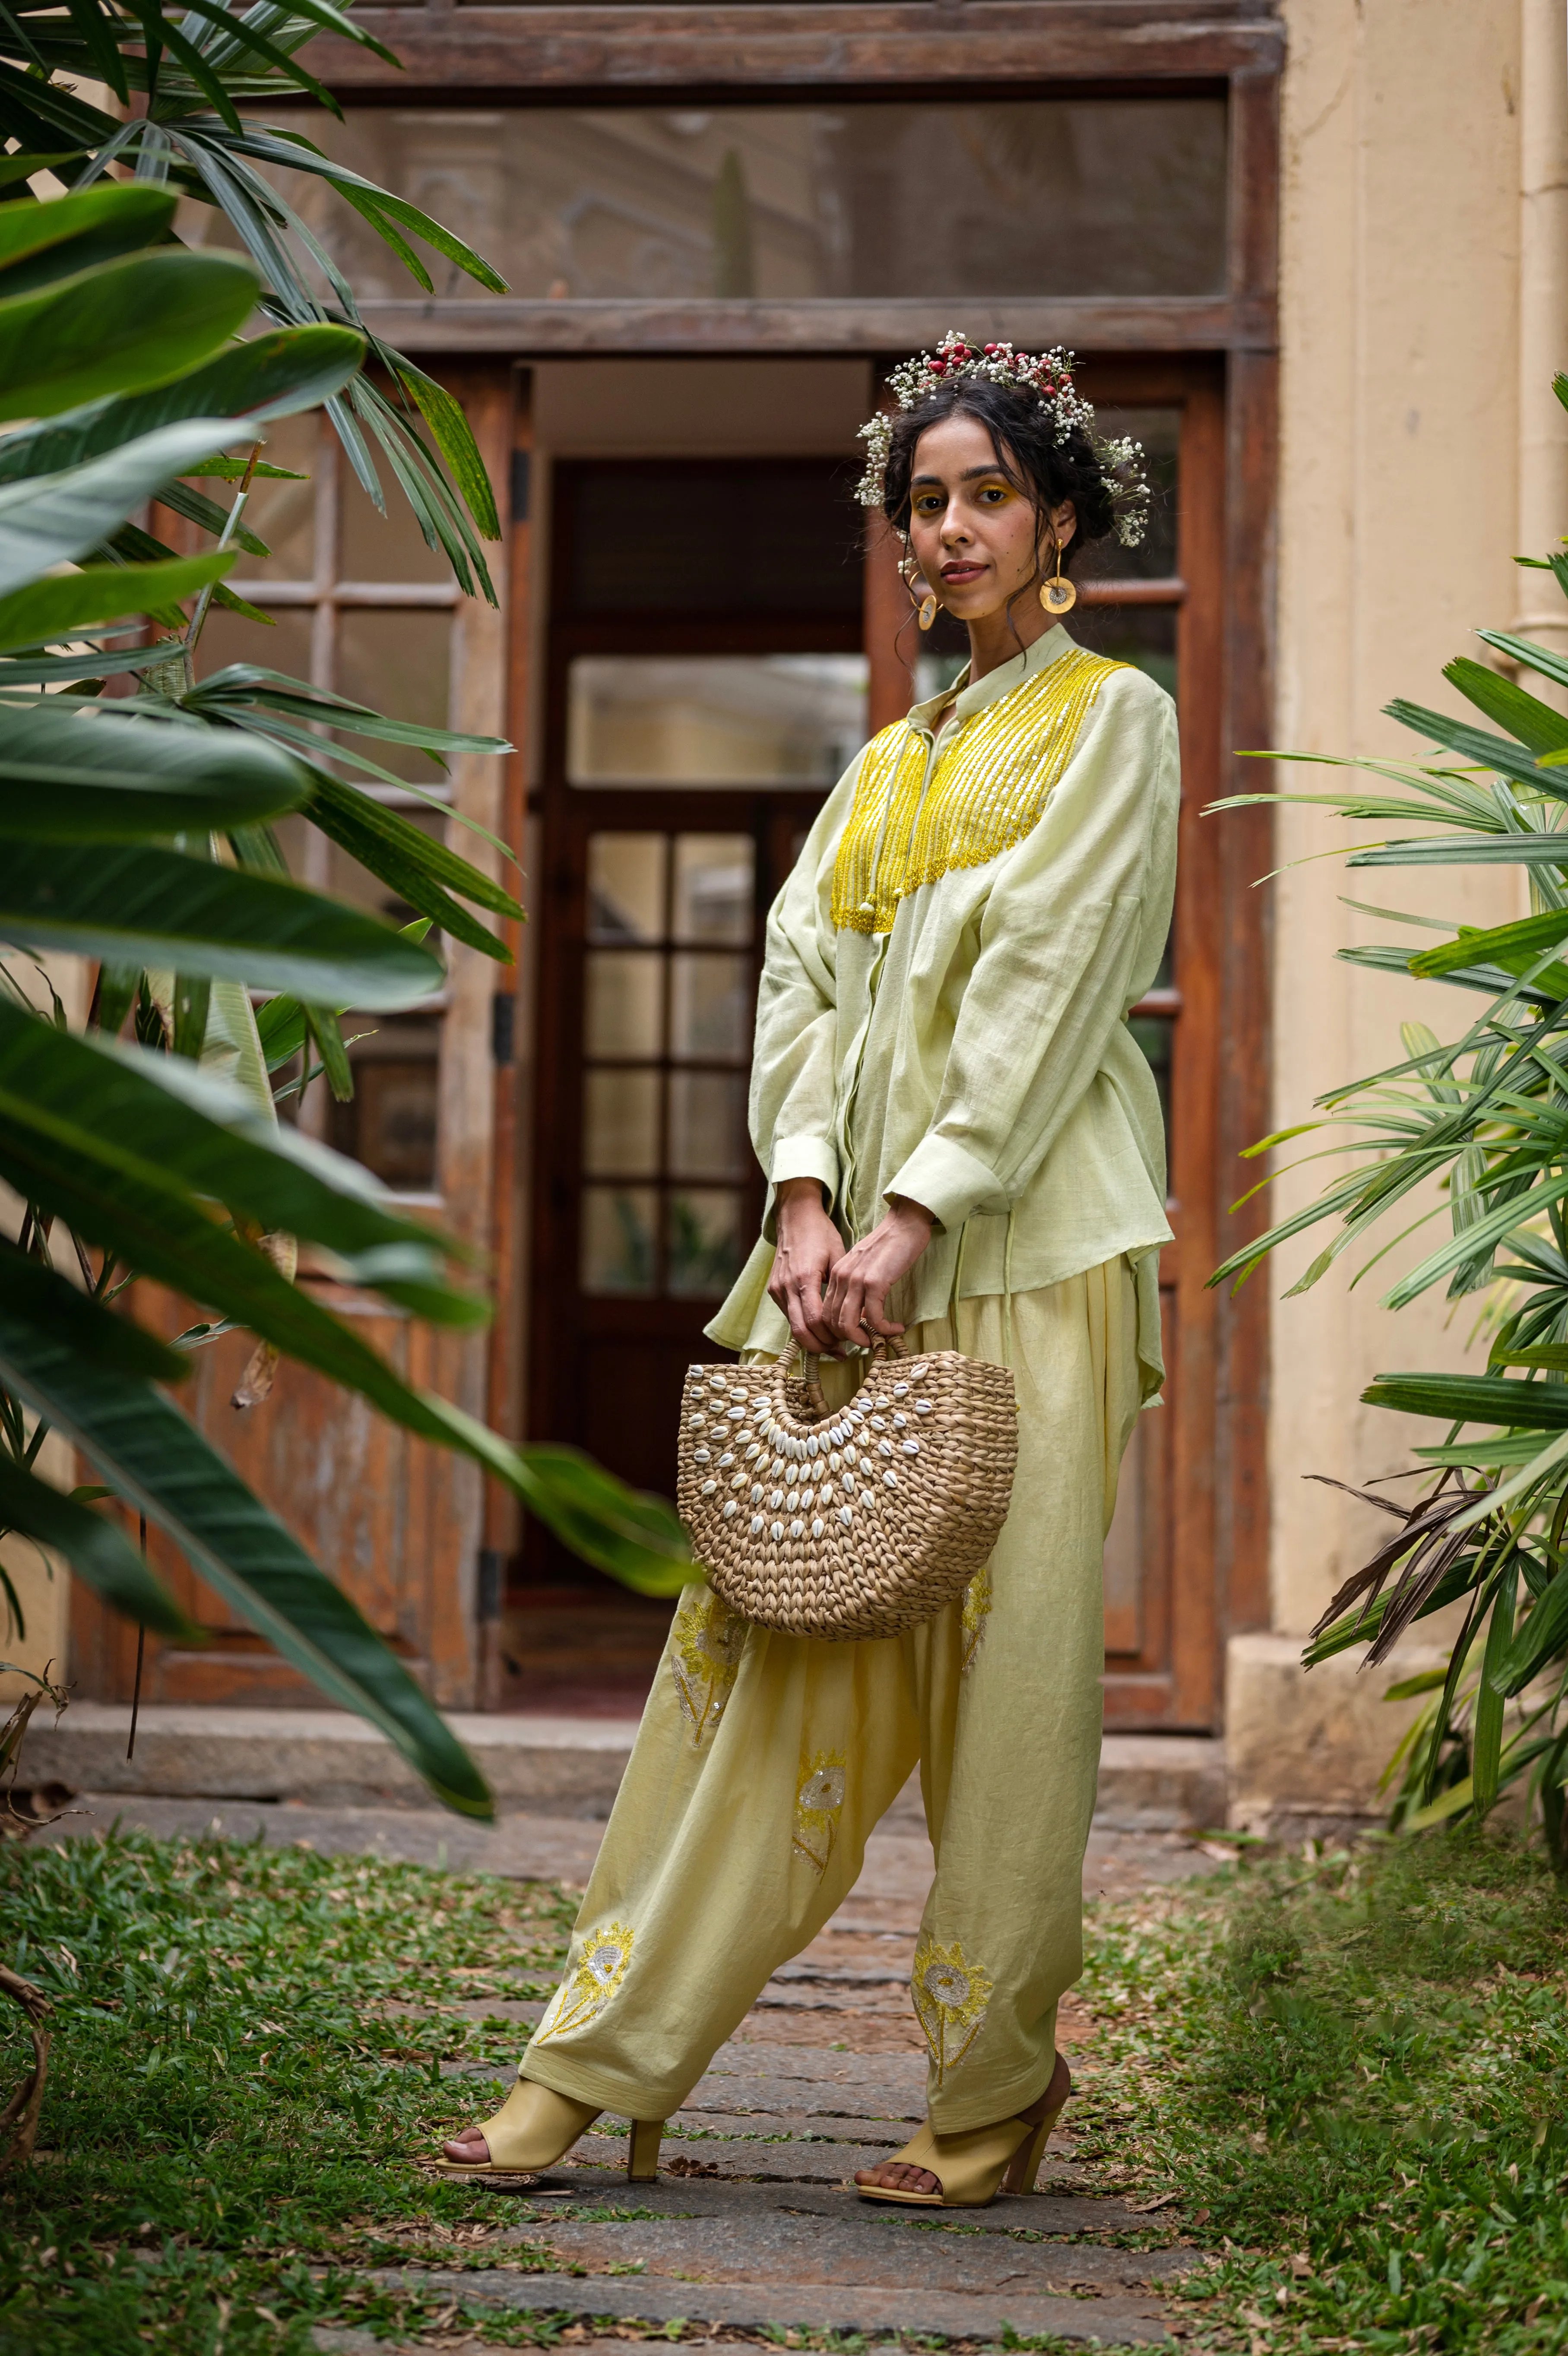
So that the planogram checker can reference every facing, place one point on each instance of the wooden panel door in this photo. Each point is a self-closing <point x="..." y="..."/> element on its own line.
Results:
<point x="359" y="603"/>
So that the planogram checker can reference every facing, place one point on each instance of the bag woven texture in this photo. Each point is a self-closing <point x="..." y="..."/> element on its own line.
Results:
<point x="851" y="1521"/>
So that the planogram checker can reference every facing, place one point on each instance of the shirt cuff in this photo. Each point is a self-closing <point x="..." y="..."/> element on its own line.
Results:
<point x="948" y="1183"/>
<point x="806" y="1157"/>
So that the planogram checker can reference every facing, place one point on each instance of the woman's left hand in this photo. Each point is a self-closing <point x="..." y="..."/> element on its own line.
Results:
<point x="858" y="1284"/>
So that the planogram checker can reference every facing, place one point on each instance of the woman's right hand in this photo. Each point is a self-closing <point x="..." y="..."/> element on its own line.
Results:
<point x="807" y="1245"/>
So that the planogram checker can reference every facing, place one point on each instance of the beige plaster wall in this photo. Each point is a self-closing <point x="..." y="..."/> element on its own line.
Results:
<point x="1401" y="428"/>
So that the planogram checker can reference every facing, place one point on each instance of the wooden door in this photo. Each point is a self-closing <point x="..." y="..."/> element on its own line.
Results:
<point x="359" y="603"/>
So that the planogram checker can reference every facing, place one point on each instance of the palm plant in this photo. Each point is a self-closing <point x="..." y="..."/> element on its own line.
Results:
<point x="1480" y="1120"/>
<point x="137" y="830"/>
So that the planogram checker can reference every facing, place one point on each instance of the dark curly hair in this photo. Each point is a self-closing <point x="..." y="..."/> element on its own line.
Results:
<point x="1022" y="435"/>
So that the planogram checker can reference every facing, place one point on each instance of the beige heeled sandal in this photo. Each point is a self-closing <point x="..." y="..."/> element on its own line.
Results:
<point x="973" y="2167"/>
<point x="536" y="2126"/>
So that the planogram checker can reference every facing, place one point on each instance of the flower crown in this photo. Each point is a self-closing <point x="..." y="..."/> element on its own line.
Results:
<point x="1047" y="375"/>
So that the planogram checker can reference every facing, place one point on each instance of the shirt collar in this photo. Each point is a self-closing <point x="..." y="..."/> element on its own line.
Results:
<point x="1047" y="649"/>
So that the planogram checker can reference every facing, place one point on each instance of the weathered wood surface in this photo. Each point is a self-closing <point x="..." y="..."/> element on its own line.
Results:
<point x="522" y="52"/>
<point x="530" y="329"/>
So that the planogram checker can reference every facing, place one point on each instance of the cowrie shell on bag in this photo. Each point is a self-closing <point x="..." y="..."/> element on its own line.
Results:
<point x="818" y="1565"/>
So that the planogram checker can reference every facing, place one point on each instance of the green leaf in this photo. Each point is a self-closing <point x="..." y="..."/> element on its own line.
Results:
<point x="1495" y="753"/>
<point x="402" y="856"/>
<point x="64" y="604"/>
<point x="117" y="327"/>
<point x="1474" y="1398"/>
<point x="327" y="1033"/>
<point x="40" y="244"/>
<point x="1522" y="850"/>
<point x="74" y="773"/>
<point x="153" y="907"/>
<point x="1526" y="652"/>
<point x="274" y="375"/>
<point x="158" y="1462"/>
<point x="26" y="166"/>
<point x="98" y="1553"/>
<point x="1535" y="723"/>
<point x="56" y="518"/>
<point x="1487" y="1748"/>
<point x="1514" y="948"/>
<point x="455" y="440"/>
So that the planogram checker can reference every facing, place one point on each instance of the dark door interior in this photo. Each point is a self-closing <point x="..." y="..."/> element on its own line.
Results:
<point x="705" y="687"/>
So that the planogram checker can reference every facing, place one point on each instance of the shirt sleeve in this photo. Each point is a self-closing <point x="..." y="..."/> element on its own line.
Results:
<point x="1062" y="936"/>
<point x="792" y="1071"/>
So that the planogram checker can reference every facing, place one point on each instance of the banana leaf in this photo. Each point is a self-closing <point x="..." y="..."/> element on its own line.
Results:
<point x="141" y="906"/>
<point x="124" y="325"/>
<point x="160" y="1464"/>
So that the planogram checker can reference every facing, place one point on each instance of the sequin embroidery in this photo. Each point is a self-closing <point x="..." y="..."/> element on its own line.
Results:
<point x="950" y="1996"/>
<point x="818" y="1800"/>
<point x="584" y="1992"/>
<point x="990" y="784"/>
<point x="705" y="1645"/>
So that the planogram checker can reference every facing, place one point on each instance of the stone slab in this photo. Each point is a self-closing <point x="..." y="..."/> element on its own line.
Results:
<point x="549" y="1763"/>
<point x="1064" y="2214"/>
<point x="764" y="2306"/>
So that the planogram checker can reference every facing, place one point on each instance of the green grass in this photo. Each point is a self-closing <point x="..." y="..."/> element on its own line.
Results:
<point x="237" y="2089"/>
<point x="1353" y="2071"/>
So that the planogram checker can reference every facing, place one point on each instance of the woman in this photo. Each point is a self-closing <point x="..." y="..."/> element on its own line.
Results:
<point x="943" y="1073"/>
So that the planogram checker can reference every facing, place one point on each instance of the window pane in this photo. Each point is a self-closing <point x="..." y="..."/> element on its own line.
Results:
<point x="704" y="1243"/>
<point x="400" y="664"/>
<point x="232" y="638"/>
<point x="1083" y="195"/>
<point x="1143" y="635"/>
<point x="620" y="1124"/>
<point x="714" y="887"/>
<point x="623" y="1006"/>
<point x="713" y="720"/>
<point x="618" y="1227"/>
<point x="711" y="1007"/>
<point x="1152" y="1033"/>
<point x="1155" y="557"/>
<point x="372" y="547"/>
<point x="681" y="536"/>
<point x="626" y="887"/>
<point x="707" y="1124"/>
<point x="283" y="514"/>
<point x="390" y="1124"/>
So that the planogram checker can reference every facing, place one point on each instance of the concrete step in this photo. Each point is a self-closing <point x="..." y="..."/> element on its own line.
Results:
<point x="536" y="1764"/>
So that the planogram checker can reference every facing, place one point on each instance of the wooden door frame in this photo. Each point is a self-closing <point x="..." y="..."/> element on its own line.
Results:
<point x="692" y="54"/>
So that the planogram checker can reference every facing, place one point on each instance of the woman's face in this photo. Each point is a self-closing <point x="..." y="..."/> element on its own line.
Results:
<point x="973" y="534"/>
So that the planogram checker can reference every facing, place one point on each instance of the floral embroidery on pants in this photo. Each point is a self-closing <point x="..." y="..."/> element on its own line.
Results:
<point x="976" y="1611"/>
<point x="584" y="1992"/>
<point x="707" y="1642"/>
<point x="950" y="1996"/>
<point x="817" y="1804"/>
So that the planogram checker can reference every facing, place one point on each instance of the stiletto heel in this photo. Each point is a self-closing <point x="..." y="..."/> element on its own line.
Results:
<point x="972" y="2166"/>
<point x="533" y="2129"/>
<point x="642" y="2151"/>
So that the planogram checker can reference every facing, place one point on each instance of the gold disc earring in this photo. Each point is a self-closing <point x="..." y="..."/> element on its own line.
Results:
<point x="928" y="612"/>
<point x="1057" y="595"/>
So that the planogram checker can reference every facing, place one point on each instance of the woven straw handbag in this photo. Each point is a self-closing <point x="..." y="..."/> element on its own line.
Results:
<point x="853" y="1521"/>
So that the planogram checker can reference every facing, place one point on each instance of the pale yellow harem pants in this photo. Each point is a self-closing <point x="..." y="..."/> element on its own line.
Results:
<point x="763" y="1761"/>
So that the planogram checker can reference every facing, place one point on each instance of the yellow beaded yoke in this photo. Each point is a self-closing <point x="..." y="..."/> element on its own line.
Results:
<point x="990" y="783"/>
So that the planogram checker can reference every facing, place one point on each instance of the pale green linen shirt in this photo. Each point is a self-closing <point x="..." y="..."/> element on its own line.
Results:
<point x="977" y="1058"/>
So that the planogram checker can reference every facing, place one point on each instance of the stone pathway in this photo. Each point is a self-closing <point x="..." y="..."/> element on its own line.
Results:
<point x="749" y="2231"/>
